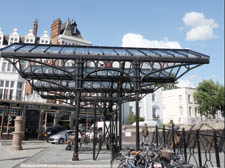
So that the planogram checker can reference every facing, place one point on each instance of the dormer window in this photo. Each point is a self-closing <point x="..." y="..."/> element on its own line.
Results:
<point x="45" y="39"/>
<point x="30" y="38"/>
<point x="14" y="37"/>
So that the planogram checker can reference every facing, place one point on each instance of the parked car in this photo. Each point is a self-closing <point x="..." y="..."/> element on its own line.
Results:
<point x="52" y="130"/>
<point x="61" y="137"/>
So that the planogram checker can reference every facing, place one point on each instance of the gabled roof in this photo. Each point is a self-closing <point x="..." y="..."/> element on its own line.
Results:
<point x="69" y="28"/>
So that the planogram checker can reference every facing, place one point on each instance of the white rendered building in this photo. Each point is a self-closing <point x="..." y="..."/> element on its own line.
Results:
<point x="180" y="106"/>
<point x="150" y="108"/>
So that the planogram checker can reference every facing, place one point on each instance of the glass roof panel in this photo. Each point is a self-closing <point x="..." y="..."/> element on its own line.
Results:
<point x="109" y="51"/>
<point x="95" y="51"/>
<point x="13" y="47"/>
<point x="161" y="53"/>
<point x="192" y="54"/>
<point x="26" y="48"/>
<point x="122" y="52"/>
<point x="136" y="52"/>
<point x="81" y="51"/>
<point x="54" y="49"/>
<point x="180" y="52"/>
<point x="149" y="53"/>
<point x="67" y="50"/>
<point x="40" y="49"/>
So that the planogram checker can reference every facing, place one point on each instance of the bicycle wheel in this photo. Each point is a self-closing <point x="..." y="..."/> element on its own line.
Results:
<point x="123" y="164"/>
<point x="116" y="163"/>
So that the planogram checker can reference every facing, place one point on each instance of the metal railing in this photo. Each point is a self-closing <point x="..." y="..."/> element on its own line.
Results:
<point x="200" y="148"/>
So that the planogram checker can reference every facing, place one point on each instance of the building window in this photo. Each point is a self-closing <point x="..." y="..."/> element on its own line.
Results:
<point x="190" y="111"/>
<point x="131" y="109"/>
<point x="195" y="100"/>
<point x="6" y="83"/>
<point x="181" y="110"/>
<point x="11" y="94"/>
<point x="189" y="98"/>
<point x="19" y="94"/>
<point x="9" y="67"/>
<point x="1" y="83"/>
<point x="14" y="69"/>
<point x="12" y="84"/>
<point x="5" y="96"/>
<point x="153" y="97"/>
<point x="1" y="93"/>
<point x="4" y="64"/>
<point x="20" y="85"/>
<point x="154" y="112"/>
<point x="196" y="111"/>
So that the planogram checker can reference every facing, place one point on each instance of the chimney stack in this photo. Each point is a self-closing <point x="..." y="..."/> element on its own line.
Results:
<point x="55" y="30"/>
<point x="35" y="28"/>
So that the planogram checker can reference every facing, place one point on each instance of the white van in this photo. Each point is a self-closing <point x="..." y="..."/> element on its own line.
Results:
<point x="100" y="129"/>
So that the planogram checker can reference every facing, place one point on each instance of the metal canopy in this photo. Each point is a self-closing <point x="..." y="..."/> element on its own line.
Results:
<point x="105" y="53"/>
<point x="100" y="77"/>
<point x="54" y="68"/>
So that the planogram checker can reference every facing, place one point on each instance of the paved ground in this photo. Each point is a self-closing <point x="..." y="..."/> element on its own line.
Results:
<point x="10" y="158"/>
<point x="51" y="155"/>
<point x="55" y="156"/>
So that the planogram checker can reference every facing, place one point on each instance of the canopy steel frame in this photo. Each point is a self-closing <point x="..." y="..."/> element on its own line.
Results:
<point x="100" y="75"/>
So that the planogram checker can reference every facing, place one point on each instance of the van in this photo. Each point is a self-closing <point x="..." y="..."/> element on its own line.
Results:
<point x="100" y="129"/>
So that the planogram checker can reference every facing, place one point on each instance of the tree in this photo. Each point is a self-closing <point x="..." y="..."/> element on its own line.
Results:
<point x="210" y="97"/>
<point x="132" y="118"/>
<point x="169" y="86"/>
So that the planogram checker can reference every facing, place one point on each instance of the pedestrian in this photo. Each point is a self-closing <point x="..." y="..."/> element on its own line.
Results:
<point x="145" y="134"/>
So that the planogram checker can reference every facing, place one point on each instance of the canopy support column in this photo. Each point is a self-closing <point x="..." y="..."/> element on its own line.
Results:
<point x="120" y="125"/>
<point x="78" y="86"/>
<point x="137" y="90"/>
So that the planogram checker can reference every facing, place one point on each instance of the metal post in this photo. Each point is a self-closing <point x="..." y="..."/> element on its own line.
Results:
<point x="137" y="123"/>
<point x="94" y="139"/>
<point x="2" y="122"/>
<point x="156" y="135"/>
<point x="173" y="139"/>
<point x="76" y="144"/>
<point x="78" y="86"/>
<point x="184" y="145"/>
<point x="164" y="136"/>
<point x="136" y="87"/>
<point x="199" y="148"/>
<point x="116" y="125"/>
<point x="120" y="125"/>
<point x="216" y="150"/>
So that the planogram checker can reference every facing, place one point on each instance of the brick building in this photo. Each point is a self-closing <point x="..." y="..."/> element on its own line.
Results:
<point x="14" y="89"/>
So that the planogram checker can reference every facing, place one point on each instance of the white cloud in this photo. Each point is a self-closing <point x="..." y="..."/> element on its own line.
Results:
<point x="201" y="27"/>
<point x="181" y="28"/>
<point x="137" y="40"/>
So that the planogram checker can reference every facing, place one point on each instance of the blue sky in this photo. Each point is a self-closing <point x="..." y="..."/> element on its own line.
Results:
<point x="194" y="24"/>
